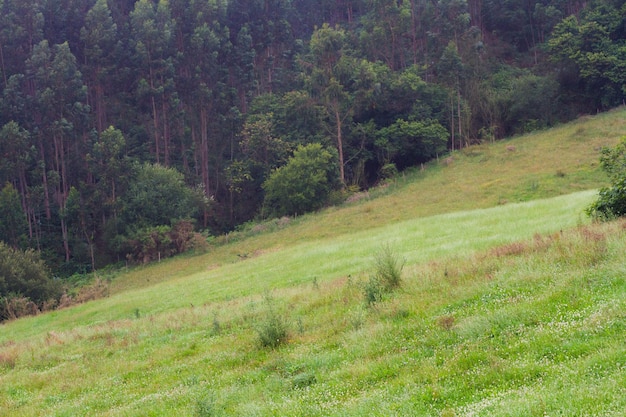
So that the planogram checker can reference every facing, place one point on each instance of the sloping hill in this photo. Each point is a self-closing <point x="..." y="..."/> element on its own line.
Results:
<point x="511" y="304"/>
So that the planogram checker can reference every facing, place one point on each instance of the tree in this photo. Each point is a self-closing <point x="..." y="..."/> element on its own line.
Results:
<point x="16" y="155"/>
<point x="61" y="116"/>
<point x="13" y="227"/>
<point x="110" y="168"/>
<point x="303" y="184"/>
<point x="591" y="50"/>
<point x="99" y="38"/>
<point x="153" y="35"/>
<point x="450" y="72"/>
<point x="327" y="49"/>
<point x="158" y="196"/>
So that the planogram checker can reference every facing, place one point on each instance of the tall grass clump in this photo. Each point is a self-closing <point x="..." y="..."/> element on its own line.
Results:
<point x="205" y="407"/>
<point x="272" y="330"/>
<point x="387" y="275"/>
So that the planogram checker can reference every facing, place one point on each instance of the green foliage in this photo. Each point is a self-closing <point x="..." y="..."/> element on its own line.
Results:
<point x="387" y="275"/>
<point x="205" y="407"/>
<point x="158" y="196"/>
<point x="410" y="142"/>
<point x="304" y="183"/>
<point x="388" y="268"/>
<point x="157" y="242"/>
<point x="388" y="171"/>
<point x="13" y="226"/>
<point x="23" y="275"/>
<point x="272" y="329"/>
<point x="591" y="51"/>
<point x="612" y="200"/>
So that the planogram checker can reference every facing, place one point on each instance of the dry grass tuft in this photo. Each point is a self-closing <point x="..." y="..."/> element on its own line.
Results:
<point x="8" y="358"/>
<point x="510" y="249"/>
<point x="446" y="322"/>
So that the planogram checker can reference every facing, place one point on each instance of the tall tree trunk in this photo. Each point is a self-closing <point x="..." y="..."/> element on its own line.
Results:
<point x="452" y="127"/>
<point x="339" y="123"/>
<point x="204" y="150"/>
<point x="44" y="181"/>
<point x="155" y="119"/>
<point x="458" y="111"/>
<point x="166" y="133"/>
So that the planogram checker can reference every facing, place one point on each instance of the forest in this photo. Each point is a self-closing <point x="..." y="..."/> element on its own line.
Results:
<point x="134" y="130"/>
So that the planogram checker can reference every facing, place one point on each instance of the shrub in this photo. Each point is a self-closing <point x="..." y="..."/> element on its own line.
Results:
<point x="14" y="306"/>
<point x="25" y="282"/>
<point x="205" y="407"/>
<point x="612" y="200"/>
<point x="373" y="290"/>
<point x="272" y="331"/>
<point x="388" y="268"/>
<point x="387" y="275"/>
<point x="303" y="380"/>
<point x="388" y="171"/>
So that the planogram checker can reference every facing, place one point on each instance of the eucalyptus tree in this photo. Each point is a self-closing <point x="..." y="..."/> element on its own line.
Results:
<point x="202" y="81"/>
<point x="16" y="157"/>
<point x="99" y="40"/>
<point x="383" y="34"/>
<point x="21" y="28"/>
<point x="450" y="72"/>
<point x="13" y="225"/>
<point x="268" y="24"/>
<point x="330" y="73"/>
<point x="153" y="36"/>
<point x="60" y="114"/>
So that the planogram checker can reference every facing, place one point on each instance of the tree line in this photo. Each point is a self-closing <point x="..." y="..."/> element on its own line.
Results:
<point x="129" y="127"/>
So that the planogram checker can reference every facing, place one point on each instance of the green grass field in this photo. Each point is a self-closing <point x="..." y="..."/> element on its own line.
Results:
<point x="511" y="304"/>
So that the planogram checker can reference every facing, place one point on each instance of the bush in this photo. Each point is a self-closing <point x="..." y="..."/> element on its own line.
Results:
<point x="205" y="407"/>
<point x="24" y="274"/>
<point x="388" y="268"/>
<point x="14" y="306"/>
<point x="388" y="171"/>
<point x="272" y="332"/>
<point x="612" y="200"/>
<point x="387" y="275"/>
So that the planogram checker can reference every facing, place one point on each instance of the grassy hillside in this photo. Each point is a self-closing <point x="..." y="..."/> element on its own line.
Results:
<point x="511" y="304"/>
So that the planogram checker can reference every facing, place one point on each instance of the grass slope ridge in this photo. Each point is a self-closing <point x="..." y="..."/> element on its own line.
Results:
<point x="505" y="309"/>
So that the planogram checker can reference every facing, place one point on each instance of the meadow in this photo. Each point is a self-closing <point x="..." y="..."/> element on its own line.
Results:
<point x="512" y="303"/>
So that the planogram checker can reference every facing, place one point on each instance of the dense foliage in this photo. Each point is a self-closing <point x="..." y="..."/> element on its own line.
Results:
<point x="304" y="183"/>
<point x="224" y="92"/>
<point x="612" y="200"/>
<point x="25" y="283"/>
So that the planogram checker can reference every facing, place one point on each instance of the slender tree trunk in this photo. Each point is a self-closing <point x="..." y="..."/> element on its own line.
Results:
<point x="414" y="47"/>
<point x="452" y="127"/>
<point x="339" y="122"/>
<point x="458" y="111"/>
<point x="4" y="72"/>
<point x="64" y="234"/>
<point x="44" y="181"/>
<point x="155" y="118"/>
<point x="25" y="201"/>
<point x="204" y="150"/>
